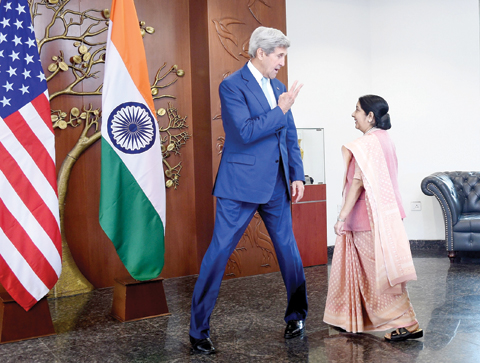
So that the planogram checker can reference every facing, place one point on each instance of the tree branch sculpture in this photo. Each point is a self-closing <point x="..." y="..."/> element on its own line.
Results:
<point x="87" y="31"/>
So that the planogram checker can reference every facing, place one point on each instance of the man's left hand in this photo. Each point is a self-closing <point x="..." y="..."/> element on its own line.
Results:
<point x="297" y="190"/>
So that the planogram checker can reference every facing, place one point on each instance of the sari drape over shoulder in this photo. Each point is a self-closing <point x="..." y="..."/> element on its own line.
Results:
<point x="375" y="155"/>
<point x="367" y="286"/>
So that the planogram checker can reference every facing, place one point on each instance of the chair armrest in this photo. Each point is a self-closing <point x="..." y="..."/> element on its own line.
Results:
<point x="441" y="187"/>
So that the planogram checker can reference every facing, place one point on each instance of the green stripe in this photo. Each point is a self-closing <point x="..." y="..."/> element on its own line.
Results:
<point x="129" y="219"/>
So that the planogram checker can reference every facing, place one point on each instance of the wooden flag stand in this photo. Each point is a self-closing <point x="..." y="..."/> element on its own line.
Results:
<point x="135" y="300"/>
<point x="17" y="324"/>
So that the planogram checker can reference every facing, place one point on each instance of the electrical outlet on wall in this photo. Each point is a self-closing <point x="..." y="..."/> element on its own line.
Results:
<point x="416" y="206"/>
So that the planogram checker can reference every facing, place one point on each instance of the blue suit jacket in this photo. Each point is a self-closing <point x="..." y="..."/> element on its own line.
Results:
<point x="257" y="138"/>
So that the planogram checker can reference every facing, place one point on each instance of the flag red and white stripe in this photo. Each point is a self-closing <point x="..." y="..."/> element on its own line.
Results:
<point x="30" y="239"/>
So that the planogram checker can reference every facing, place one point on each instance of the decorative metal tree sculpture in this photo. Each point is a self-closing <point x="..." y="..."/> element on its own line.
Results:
<point x="87" y="31"/>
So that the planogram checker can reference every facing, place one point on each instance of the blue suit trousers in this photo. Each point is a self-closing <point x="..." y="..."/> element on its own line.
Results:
<point x="232" y="218"/>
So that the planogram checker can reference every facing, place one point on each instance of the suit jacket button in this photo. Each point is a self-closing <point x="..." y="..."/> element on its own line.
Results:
<point x="276" y="161"/>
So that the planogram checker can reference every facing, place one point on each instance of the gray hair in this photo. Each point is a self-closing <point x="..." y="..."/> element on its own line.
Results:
<point x="267" y="39"/>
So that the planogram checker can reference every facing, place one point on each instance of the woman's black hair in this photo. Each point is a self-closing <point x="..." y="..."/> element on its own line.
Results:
<point x="379" y="107"/>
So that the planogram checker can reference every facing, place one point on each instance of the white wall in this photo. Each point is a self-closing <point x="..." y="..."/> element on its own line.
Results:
<point x="422" y="56"/>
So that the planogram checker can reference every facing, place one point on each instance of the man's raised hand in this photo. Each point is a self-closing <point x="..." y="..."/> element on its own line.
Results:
<point x="287" y="99"/>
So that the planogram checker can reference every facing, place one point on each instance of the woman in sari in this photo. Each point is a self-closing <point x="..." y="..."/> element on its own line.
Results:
<point x="372" y="261"/>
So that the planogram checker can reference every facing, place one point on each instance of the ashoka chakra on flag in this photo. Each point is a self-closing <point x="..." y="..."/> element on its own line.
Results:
<point x="131" y="128"/>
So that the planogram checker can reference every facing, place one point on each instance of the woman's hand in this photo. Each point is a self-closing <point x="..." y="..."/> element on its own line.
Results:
<point x="355" y="190"/>
<point x="339" y="228"/>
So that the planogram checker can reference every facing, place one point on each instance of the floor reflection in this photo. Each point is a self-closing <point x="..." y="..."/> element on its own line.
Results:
<point x="247" y="324"/>
<point x="363" y="348"/>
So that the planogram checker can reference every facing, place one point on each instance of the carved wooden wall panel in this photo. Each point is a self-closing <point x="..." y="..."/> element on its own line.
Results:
<point x="207" y="39"/>
<point x="230" y="26"/>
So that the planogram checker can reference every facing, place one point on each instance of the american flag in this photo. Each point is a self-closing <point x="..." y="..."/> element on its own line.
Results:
<point x="30" y="240"/>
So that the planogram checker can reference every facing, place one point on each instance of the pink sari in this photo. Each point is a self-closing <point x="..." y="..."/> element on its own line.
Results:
<point x="367" y="286"/>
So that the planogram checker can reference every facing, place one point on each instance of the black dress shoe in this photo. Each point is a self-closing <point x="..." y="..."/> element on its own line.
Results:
<point x="294" y="329"/>
<point x="203" y="346"/>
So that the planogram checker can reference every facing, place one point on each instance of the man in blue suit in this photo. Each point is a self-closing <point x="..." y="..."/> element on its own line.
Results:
<point x="260" y="159"/>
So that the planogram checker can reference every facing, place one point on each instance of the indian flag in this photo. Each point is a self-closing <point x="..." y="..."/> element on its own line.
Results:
<point x="132" y="198"/>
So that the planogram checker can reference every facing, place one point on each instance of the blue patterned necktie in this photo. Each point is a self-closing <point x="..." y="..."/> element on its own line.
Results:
<point x="265" y="91"/>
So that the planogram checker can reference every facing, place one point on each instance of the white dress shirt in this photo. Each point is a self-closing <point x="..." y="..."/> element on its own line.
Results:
<point x="258" y="76"/>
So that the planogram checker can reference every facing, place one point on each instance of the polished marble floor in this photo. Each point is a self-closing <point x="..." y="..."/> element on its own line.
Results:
<point x="247" y="324"/>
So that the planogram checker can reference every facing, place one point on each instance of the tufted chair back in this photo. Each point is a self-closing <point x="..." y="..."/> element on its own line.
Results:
<point x="467" y="188"/>
<point x="458" y="193"/>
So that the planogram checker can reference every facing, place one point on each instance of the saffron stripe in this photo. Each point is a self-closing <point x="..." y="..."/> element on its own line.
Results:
<point x="130" y="47"/>
<point x="147" y="169"/>
<point x="132" y="200"/>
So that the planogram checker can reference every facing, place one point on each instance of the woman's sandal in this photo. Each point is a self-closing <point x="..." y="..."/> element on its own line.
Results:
<point x="402" y="334"/>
